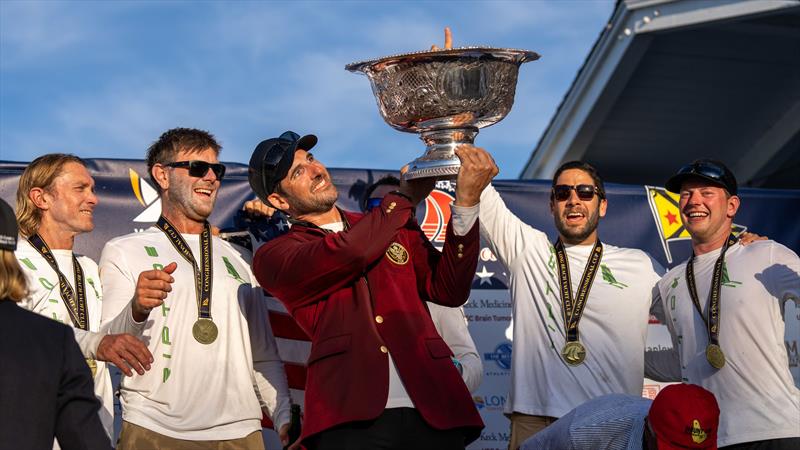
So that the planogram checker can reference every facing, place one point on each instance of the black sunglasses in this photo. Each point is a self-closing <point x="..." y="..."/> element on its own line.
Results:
<point x="586" y="192"/>
<point x="707" y="169"/>
<point x="199" y="169"/>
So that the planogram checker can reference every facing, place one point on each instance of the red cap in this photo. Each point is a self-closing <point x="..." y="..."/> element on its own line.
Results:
<point x="684" y="416"/>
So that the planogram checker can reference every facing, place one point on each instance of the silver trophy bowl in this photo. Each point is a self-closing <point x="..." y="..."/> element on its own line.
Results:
<point x="445" y="96"/>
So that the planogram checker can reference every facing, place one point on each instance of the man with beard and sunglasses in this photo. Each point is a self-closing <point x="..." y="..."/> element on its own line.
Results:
<point x="725" y="313"/>
<point x="599" y="293"/>
<point x="379" y="376"/>
<point x="198" y="306"/>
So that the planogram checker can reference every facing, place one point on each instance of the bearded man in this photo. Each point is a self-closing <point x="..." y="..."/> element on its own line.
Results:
<point x="379" y="375"/>
<point x="580" y="306"/>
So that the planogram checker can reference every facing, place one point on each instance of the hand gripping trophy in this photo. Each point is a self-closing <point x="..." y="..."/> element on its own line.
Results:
<point x="445" y="95"/>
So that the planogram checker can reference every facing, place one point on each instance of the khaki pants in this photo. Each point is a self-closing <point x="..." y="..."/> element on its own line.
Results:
<point x="134" y="437"/>
<point x="524" y="426"/>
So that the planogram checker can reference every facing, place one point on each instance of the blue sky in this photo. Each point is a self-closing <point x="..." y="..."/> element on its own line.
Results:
<point x="105" y="79"/>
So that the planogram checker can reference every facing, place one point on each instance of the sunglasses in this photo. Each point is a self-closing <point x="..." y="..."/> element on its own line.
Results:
<point x="707" y="169"/>
<point x="586" y="192"/>
<point x="199" y="169"/>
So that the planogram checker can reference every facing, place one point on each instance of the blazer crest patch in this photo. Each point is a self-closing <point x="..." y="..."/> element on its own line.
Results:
<point x="397" y="254"/>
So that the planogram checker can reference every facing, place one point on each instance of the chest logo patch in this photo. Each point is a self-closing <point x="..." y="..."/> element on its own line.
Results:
<point x="397" y="254"/>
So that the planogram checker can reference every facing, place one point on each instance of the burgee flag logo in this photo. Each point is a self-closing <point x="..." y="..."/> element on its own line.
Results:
<point x="147" y="196"/>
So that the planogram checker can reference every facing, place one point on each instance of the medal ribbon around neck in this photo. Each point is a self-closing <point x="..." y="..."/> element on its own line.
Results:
<point x="572" y="310"/>
<point x="203" y="274"/>
<point x="712" y="319"/>
<point x="74" y="300"/>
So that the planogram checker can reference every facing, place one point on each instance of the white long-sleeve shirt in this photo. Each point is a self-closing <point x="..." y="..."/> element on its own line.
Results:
<point x="195" y="391"/>
<point x="452" y="327"/>
<point x="44" y="297"/>
<point x="613" y="328"/>
<point x="755" y="390"/>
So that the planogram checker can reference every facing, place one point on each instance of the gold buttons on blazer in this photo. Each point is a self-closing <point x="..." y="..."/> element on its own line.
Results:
<point x="384" y="349"/>
<point x="461" y="246"/>
<point x="379" y="319"/>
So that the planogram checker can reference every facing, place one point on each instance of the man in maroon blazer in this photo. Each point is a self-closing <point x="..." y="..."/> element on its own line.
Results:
<point x="379" y="376"/>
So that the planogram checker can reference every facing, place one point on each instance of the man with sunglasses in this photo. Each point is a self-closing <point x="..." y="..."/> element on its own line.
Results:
<point x="379" y="375"/>
<point x="199" y="307"/>
<point x="599" y="293"/>
<point x="724" y="308"/>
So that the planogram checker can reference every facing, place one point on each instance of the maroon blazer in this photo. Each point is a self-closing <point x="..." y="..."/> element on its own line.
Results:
<point x="361" y="292"/>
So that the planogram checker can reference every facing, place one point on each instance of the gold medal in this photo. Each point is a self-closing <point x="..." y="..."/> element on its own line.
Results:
<point x="573" y="353"/>
<point x="92" y="366"/>
<point x="715" y="356"/>
<point x="205" y="331"/>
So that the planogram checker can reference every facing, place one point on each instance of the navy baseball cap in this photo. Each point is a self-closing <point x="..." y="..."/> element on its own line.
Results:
<point x="8" y="227"/>
<point x="272" y="159"/>
<point x="706" y="169"/>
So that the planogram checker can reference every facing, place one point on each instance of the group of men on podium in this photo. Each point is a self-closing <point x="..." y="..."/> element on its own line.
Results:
<point x="181" y="311"/>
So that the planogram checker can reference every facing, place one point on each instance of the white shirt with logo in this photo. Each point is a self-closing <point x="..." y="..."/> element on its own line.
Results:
<point x="44" y="297"/>
<point x="755" y="390"/>
<point x="613" y="328"/>
<point x="195" y="391"/>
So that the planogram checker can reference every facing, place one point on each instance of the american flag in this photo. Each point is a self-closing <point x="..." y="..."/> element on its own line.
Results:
<point x="294" y="345"/>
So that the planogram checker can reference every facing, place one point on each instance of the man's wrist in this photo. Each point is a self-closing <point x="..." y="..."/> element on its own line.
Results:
<point x="138" y="313"/>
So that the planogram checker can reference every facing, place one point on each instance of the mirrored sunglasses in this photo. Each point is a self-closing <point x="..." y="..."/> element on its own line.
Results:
<point x="706" y="169"/>
<point x="586" y="192"/>
<point x="199" y="169"/>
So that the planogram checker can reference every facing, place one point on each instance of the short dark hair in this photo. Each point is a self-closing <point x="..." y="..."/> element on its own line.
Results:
<point x="586" y="167"/>
<point x="173" y="141"/>
<point x="388" y="180"/>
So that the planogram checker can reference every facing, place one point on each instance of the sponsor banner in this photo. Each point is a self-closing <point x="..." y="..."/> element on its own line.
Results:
<point x="644" y="217"/>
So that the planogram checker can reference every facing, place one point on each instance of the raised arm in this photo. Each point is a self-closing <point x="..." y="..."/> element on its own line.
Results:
<point x="506" y="233"/>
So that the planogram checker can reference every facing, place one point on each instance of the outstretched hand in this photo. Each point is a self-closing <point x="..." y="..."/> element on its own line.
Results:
<point x="152" y="288"/>
<point x="126" y="352"/>
<point x="748" y="238"/>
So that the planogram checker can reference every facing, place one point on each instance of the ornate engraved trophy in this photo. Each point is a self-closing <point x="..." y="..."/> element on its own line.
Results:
<point x="446" y="96"/>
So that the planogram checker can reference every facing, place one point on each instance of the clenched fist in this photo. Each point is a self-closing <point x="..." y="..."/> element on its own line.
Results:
<point x="152" y="288"/>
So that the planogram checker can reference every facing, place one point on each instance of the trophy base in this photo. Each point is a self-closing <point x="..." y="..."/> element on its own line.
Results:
<point x="439" y="171"/>
<point x="440" y="160"/>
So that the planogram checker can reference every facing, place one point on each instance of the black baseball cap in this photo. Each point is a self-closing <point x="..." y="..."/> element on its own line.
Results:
<point x="272" y="159"/>
<point x="8" y="227"/>
<point x="707" y="169"/>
